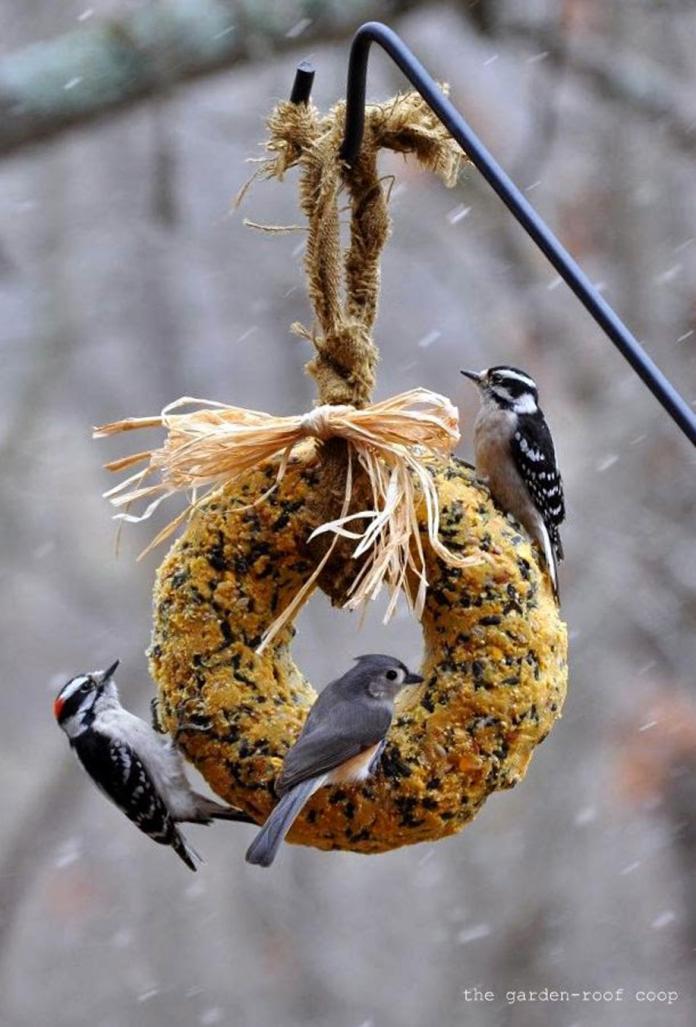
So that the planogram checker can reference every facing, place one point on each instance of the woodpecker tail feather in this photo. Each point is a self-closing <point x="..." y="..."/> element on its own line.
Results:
<point x="185" y="851"/>
<point x="211" y="810"/>
<point x="264" y="847"/>
<point x="549" y="554"/>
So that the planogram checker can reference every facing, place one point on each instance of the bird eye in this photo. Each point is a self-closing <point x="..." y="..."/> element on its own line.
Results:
<point x="84" y="687"/>
<point x="392" y="675"/>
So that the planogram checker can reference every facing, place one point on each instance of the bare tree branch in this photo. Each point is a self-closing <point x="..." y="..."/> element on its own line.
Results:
<point x="98" y="68"/>
<point x="632" y="80"/>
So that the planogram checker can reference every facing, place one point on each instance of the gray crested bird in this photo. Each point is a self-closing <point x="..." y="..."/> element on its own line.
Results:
<point x="141" y="771"/>
<point x="516" y="456"/>
<point x="341" y="743"/>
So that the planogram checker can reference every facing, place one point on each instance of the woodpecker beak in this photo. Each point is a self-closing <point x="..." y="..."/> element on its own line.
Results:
<point x="476" y="376"/>
<point x="412" y="679"/>
<point x="106" y="675"/>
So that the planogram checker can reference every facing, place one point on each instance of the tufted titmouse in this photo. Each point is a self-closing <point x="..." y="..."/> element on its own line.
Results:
<point x="341" y="742"/>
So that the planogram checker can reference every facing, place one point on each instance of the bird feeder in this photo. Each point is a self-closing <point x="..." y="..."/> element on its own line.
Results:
<point x="344" y="499"/>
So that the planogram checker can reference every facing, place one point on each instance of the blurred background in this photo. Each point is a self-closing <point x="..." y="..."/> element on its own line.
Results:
<point x="126" y="281"/>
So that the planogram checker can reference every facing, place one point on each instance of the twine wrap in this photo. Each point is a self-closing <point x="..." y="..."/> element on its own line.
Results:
<point x="376" y="496"/>
<point x="344" y="287"/>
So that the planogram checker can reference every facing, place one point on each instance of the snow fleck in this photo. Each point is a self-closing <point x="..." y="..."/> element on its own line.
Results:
<point x="43" y="550"/>
<point x="535" y="58"/>
<point x="647" y="725"/>
<point x="210" y="1016"/>
<point x="250" y="331"/>
<point x="532" y="186"/>
<point x="646" y="668"/>
<point x="299" y="248"/>
<point x="429" y="339"/>
<point x="473" y="933"/>
<point x="457" y="213"/>
<point x="630" y="867"/>
<point x="585" y="816"/>
<point x="600" y="286"/>
<point x="491" y="60"/>
<point x="224" y="32"/>
<point x="145" y="996"/>
<point x="87" y="13"/>
<point x="607" y="462"/>
<point x="72" y="83"/>
<point x="664" y="919"/>
<point x="669" y="274"/>
<point x="686" y="335"/>
<point x="298" y="28"/>
<point x="554" y="283"/>
<point x="68" y="853"/>
<point x="685" y="245"/>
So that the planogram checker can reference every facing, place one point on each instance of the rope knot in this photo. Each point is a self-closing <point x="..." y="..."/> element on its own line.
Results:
<point x="344" y="365"/>
<point x="317" y="424"/>
<point x="207" y="448"/>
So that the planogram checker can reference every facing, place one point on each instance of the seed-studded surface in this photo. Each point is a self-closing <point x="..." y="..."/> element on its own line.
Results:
<point x="495" y="664"/>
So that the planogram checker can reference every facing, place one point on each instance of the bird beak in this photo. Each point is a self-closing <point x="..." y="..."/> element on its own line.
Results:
<point x="106" y="675"/>
<point x="413" y="679"/>
<point x="476" y="376"/>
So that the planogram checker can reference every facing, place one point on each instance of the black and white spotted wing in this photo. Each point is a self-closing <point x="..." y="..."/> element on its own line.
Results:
<point x="118" y="771"/>
<point x="535" y="459"/>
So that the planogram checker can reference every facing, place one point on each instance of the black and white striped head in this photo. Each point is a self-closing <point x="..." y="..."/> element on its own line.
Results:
<point x="507" y="387"/>
<point x="83" y="698"/>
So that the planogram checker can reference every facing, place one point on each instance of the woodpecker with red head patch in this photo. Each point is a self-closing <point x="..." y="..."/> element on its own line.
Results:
<point x="140" y="771"/>
<point x="516" y="456"/>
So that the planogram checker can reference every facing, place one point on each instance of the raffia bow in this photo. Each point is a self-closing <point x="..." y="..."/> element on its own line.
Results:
<point x="209" y="447"/>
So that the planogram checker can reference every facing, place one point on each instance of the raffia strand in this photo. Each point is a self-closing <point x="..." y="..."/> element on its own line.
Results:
<point x="206" y="448"/>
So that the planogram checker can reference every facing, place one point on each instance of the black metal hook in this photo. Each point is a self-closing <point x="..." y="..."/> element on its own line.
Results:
<point x="302" y="86"/>
<point x="533" y="224"/>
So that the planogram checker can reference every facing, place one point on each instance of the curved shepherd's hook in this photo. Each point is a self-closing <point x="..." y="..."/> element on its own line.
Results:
<point x="604" y="315"/>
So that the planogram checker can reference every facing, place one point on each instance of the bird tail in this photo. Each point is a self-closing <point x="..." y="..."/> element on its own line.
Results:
<point x="186" y="851"/>
<point x="264" y="847"/>
<point x="549" y="553"/>
<point x="211" y="810"/>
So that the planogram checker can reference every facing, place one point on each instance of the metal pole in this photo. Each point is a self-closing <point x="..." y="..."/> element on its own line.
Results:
<point x="604" y="315"/>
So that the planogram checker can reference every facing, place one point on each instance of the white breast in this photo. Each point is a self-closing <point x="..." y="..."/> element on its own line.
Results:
<point x="493" y="430"/>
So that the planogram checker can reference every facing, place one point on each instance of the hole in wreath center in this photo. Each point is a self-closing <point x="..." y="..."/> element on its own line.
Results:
<point x="329" y="638"/>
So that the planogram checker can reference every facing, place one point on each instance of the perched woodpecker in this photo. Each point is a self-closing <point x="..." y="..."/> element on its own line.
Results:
<point x="341" y="743"/>
<point x="515" y="454"/>
<point x="140" y="771"/>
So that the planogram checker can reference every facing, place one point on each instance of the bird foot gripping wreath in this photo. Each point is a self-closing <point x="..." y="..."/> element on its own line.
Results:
<point x="345" y="498"/>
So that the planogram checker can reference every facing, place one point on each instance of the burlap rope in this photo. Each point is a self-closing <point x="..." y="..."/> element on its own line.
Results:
<point x="371" y="472"/>
<point x="343" y="288"/>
